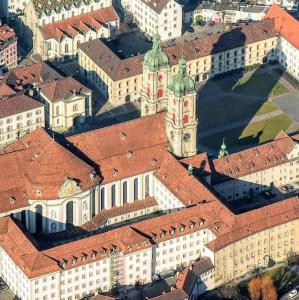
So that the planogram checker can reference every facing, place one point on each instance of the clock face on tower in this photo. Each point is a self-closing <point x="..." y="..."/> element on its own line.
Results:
<point x="187" y="137"/>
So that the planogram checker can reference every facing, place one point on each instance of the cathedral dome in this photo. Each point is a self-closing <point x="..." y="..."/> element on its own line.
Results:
<point x="181" y="83"/>
<point x="155" y="58"/>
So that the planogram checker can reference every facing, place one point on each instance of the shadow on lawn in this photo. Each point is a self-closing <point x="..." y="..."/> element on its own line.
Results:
<point x="228" y="70"/>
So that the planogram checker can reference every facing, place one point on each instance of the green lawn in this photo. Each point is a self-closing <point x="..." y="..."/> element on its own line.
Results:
<point x="263" y="85"/>
<point x="267" y="107"/>
<point x="254" y="133"/>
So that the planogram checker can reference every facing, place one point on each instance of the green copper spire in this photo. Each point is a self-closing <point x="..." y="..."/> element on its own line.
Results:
<point x="223" y="150"/>
<point x="181" y="83"/>
<point x="155" y="58"/>
<point x="190" y="169"/>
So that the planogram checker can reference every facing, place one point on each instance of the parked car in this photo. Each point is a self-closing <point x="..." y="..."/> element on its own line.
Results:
<point x="290" y="187"/>
<point x="190" y="29"/>
<point x="284" y="188"/>
<point x="293" y="293"/>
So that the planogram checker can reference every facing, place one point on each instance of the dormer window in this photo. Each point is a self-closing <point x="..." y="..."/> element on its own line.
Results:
<point x="63" y="265"/>
<point x="191" y="225"/>
<point x="84" y="257"/>
<point x="182" y="228"/>
<point x="201" y="222"/>
<point x="74" y="260"/>
<point x="92" y="176"/>
<point x="172" y="231"/>
<point x="12" y="200"/>
<point x="162" y="235"/>
<point x="93" y="255"/>
<point x="123" y="136"/>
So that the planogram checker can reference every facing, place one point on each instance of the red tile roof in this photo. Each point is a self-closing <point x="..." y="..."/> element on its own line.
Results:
<point x="125" y="149"/>
<point x="285" y="24"/>
<point x="16" y="104"/>
<point x="63" y="88"/>
<point x="257" y="220"/>
<point x="118" y="69"/>
<point x="30" y="74"/>
<point x="200" y="163"/>
<point x="176" y="294"/>
<point x="5" y="89"/>
<point x="43" y="164"/>
<point x="80" y="24"/>
<point x="7" y="34"/>
<point x="184" y="186"/>
<point x="102" y="217"/>
<point x="253" y="159"/>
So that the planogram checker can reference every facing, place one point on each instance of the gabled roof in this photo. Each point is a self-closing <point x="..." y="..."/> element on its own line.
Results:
<point x="118" y="69"/>
<point x="62" y="89"/>
<point x="42" y="166"/>
<point x="156" y="5"/>
<point x="285" y="24"/>
<point x="30" y="74"/>
<point x="45" y="6"/>
<point x="253" y="159"/>
<point x="80" y="24"/>
<point x="126" y="149"/>
<point x="16" y="104"/>
<point x="7" y="35"/>
<point x="183" y="185"/>
<point x="176" y="294"/>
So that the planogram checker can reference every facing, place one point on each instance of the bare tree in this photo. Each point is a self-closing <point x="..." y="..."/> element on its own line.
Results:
<point x="268" y="289"/>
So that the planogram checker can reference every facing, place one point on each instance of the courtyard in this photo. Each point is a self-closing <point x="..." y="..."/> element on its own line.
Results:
<point x="246" y="109"/>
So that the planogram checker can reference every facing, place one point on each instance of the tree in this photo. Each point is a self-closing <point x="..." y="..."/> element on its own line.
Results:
<point x="268" y="289"/>
<point x="197" y="20"/>
<point x="229" y="292"/>
<point x="255" y="288"/>
<point x="291" y="257"/>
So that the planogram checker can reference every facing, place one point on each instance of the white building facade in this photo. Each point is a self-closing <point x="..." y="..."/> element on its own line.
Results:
<point x="151" y="17"/>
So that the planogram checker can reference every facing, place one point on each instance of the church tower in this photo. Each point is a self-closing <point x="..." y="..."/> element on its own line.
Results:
<point x="181" y="119"/>
<point x="155" y="79"/>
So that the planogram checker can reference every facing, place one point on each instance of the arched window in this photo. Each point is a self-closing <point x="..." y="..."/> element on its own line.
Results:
<point x="146" y="186"/>
<point x="102" y="198"/>
<point x="173" y="117"/>
<point x="66" y="48"/>
<point x="125" y="192"/>
<point x="148" y="91"/>
<point x="92" y="203"/>
<point x="39" y="218"/>
<point x="136" y="188"/>
<point x="160" y="93"/>
<point x="70" y="214"/>
<point x="113" y="196"/>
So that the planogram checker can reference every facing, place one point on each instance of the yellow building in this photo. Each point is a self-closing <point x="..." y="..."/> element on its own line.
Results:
<point x="121" y="80"/>
<point x="67" y="103"/>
